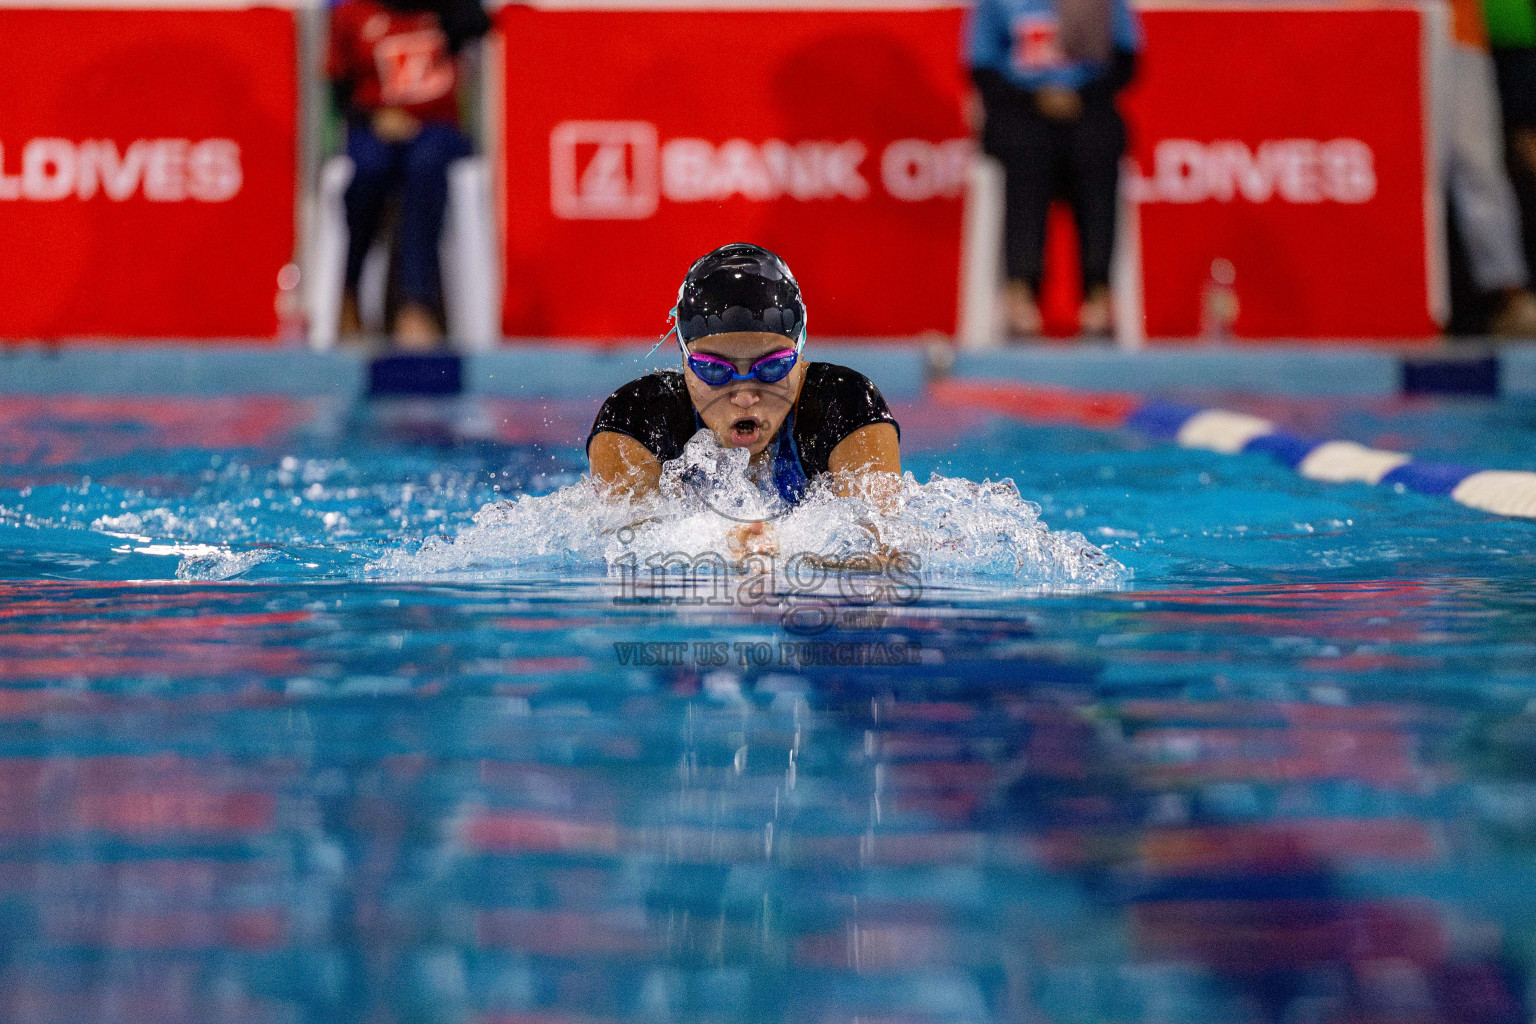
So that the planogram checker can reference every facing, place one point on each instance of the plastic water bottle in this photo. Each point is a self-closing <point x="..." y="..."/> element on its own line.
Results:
<point x="1218" y="302"/>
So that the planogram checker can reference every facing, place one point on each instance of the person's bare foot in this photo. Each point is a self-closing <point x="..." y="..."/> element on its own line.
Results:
<point x="1516" y="317"/>
<point x="1024" y="319"/>
<point x="1096" y="318"/>
<point x="350" y="324"/>
<point x="1524" y="146"/>
<point x="416" y="329"/>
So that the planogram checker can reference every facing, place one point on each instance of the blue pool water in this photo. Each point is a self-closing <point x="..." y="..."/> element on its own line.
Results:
<point x="264" y="759"/>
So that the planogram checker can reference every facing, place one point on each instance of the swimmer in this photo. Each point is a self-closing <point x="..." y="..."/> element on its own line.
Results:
<point x="740" y="323"/>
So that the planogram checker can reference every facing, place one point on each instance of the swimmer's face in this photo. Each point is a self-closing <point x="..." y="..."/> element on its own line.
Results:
<point x="744" y="413"/>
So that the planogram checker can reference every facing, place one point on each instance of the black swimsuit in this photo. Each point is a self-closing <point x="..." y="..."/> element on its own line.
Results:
<point x="834" y="402"/>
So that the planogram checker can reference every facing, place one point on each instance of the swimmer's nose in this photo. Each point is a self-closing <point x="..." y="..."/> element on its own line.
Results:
<point x="745" y="398"/>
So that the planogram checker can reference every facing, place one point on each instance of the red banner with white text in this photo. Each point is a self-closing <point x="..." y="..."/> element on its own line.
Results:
<point x="147" y="172"/>
<point x="636" y="141"/>
<point x="1290" y="143"/>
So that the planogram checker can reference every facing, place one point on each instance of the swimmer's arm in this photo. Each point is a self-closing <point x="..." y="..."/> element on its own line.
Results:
<point x="867" y="464"/>
<point x="622" y="467"/>
<point x="858" y="458"/>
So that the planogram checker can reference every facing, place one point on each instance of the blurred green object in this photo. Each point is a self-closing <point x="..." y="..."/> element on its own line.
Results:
<point x="1511" y="23"/>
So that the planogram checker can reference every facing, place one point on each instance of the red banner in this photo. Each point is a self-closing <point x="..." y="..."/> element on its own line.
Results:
<point x="147" y="172"/>
<point x="1289" y="142"/>
<point x="636" y="141"/>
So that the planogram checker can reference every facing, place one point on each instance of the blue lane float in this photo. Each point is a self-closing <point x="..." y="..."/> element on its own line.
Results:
<point x="1502" y="492"/>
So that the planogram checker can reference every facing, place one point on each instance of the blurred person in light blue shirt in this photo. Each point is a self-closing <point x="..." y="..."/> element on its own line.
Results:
<point x="1048" y="72"/>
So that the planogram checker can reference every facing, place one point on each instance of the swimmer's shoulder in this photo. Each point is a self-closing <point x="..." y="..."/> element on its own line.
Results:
<point x="654" y="409"/>
<point x="845" y="396"/>
<point x="656" y="386"/>
<point x="835" y="379"/>
<point x="834" y="402"/>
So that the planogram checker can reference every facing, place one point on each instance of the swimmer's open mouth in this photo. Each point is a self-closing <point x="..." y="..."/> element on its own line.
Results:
<point x="745" y="431"/>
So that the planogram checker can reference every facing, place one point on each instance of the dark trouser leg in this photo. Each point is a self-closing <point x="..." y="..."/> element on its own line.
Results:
<point x="422" y="204"/>
<point x="1521" y="162"/>
<point x="1028" y="163"/>
<point x="375" y="166"/>
<point x="1515" y="70"/>
<point x="1025" y="142"/>
<point x="1098" y="143"/>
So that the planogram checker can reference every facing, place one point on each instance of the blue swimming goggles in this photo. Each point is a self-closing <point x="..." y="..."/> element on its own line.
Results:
<point x="718" y="372"/>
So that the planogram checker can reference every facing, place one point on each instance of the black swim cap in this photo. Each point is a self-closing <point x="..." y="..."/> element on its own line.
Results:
<point x="739" y="287"/>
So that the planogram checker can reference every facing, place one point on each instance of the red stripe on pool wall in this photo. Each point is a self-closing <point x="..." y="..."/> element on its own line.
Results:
<point x="1038" y="404"/>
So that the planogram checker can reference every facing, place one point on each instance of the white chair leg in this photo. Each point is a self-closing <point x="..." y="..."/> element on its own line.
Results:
<point x="981" y="256"/>
<point x="325" y="276"/>
<point x="373" y="286"/>
<point x="471" y="282"/>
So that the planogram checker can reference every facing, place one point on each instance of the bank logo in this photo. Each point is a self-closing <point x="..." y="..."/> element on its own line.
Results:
<point x="618" y="170"/>
<point x="414" y="67"/>
<point x="1037" y="43"/>
<point x="603" y="170"/>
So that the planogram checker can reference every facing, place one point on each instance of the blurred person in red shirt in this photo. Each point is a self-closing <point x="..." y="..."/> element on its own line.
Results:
<point x="394" y="72"/>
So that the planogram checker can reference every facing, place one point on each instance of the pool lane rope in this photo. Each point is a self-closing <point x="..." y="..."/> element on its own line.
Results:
<point x="1502" y="492"/>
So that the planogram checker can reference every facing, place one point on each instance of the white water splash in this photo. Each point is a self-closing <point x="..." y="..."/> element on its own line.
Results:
<point x="214" y="564"/>
<point x="957" y="528"/>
